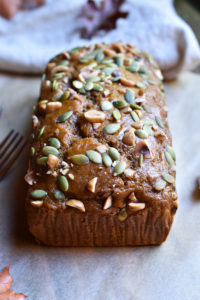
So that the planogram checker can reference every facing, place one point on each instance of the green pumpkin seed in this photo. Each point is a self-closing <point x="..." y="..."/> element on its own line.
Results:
<point x="108" y="70"/>
<point x="64" y="117"/>
<point x="55" y="85"/>
<point x="97" y="87"/>
<point x="65" y="96"/>
<point x="134" y="67"/>
<point x="94" y="156"/>
<point x="171" y="152"/>
<point x="106" y="105"/>
<point x="147" y="128"/>
<point x="43" y="77"/>
<point x="119" y="61"/>
<point x="84" y="60"/>
<point x="169" y="158"/>
<point x="63" y="63"/>
<point x="42" y="160"/>
<point x="159" y="122"/>
<point x="129" y="96"/>
<point x="119" y="168"/>
<point x="147" y="108"/>
<point x="57" y="96"/>
<point x="135" y="106"/>
<point x="38" y="194"/>
<point x="111" y="128"/>
<point x="114" y="79"/>
<point x="58" y="75"/>
<point x="141" y="85"/>
<point x="151" y="82"/>
<point x="93" y="79"/>
<point x="77" y="84"/>
<point x="134" y="116"/>
<point x="41" y="132"/>
<point x="50" y="150"/>
<point x="73" y="50"/>
<point x="93" y="64"/>
<point x="168" y="178"/>
<point x="99" y="56"/>
<point x="54" y="142"/>
<point x="80" y="159"/>
<point x="122" y="215"/>
<point x="32" y="151"/>
<point x="148" y="121"/>
<point x="114" y="154"/>
<point x="106" y="159"/>
<point x="63" y="183"/>
<point x="117" y="115"/>
<point x="119" y="103"/>
<point x="107" y="61"/>
<point x="159" y="184"/>
<point x="89" y="86"/>
<point x="140" y="160"/>
<point x="43" y="101"/>
<point x="82" y="91"/>
<point x="58" y="195"/>
<point x="141" y="133"/>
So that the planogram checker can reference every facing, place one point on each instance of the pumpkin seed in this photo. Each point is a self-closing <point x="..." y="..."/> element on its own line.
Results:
<point x="38" y="194"/>
<point x="117" y="115"/>
<point x="135" y="106"/>
<point x="42" y="160"/>
<point x="141" y="133"/>
<point x="99" y="56"/>
<point x="147" y="128"/>
<point x="40" y="133"/>
<point x="54" y="142"/>
<point x="97" y="87"/>
<point x="58" y="195"/>
<point x="93" y="79"/>
<point x="171" y="152"/>
<point x="63" y="183"/>
<point x="94" y="156"/>
<point x="73" y="50"/>
<point x="151" y="82"/>
<point x="106" y="159"/>
<point x="106" y="105"/>
<point x="80" y="159"/>
<point x="93" y="64"/>
<point x="148" y="121"/>
<point x="55" y="85"/>
<point x="50" y="150"/>
<point x="58" y="75"/>
<point x="114" y="154"/>
<point x="64" y="117"/>
<point x="159" y="184"/>
<point x="159" y="122"/>
<point x="77" y="84"/>
<point x="111" y="128"/>
<point x="134" y="67"/>
<point x="65" y="96"/>
<point x="57" y="96"/>
<point x="84" y="60"/>
<point x="107" y="61"/>
<point x="129" y="96"/>
<point x="169" y="158"/>
<point x="140" y="160"/>
<point x="119" y="168"/>
<point x="168" y="178"/>
<point x="119" y="61"/>
<point x="141" y="85"/>
<point x="89" y="86"/>
<point x="63" y="63"/>
<point x="32" y="151"/>
<point x="147" y="108"/>
<point x="108" y="70"/>
<point x="119" y="103"/>
<point x="134" y="116"/>
<point x="43" y="101"/>
<point x="122" y="215"/>
<point x="114" y="79"/>
<point x="82" y="91"/>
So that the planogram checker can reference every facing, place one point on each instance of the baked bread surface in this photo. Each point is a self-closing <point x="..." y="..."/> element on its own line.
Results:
<point x="102" y="167"/>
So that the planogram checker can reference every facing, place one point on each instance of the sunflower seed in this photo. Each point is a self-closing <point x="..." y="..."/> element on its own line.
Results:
<point x="94" y="156"/>
<point x="50" y="150"/>
<point x="140" y="160"/>
<point x="171" y="151"/>
<point x="114" y="154"/>
<point x="77" y="84"/>
<point x="129" y="96"/>
<point x="63" y="183"/>
<point x="42" y="160"/>
<point x="80" y="159"/>
<point x="54" y="142"/>
<point x="64" y="117"/>
<point x="106" y="159"/>
<point x="169" y="158"/>
<point x="106" y="105"/>
<point x="38" y="194"/>
<point x="119" y="168"/>
<point x="159" y="122"/>
<point x="41" y="132"/>
<point x="168" y="178"/>
<point x="89" y="86"/>
<point x="111" y="128"/>
<point x="122" y="215"/>
<point x="119" y="103"/>
<point x="134" y="116"/>
<point x="58" y="195"/>
<point x="141" y="133"/>
<point x="159" y="184"/>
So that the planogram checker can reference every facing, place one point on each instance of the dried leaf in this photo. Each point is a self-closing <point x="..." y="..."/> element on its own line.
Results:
<point x="100" y="17"/>
<point x="5" y="285"/>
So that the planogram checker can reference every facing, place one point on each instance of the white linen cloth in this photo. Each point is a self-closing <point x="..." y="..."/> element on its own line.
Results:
<point x="29" y="40"/>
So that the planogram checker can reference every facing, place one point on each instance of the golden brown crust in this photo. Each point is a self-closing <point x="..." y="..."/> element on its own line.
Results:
<point x="115" y="107"/>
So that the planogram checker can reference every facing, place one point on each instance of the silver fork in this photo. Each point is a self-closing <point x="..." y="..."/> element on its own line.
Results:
<point x="10" y="148"/>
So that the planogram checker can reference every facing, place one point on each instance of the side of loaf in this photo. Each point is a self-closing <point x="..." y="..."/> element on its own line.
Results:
<point x="102" y="167"/>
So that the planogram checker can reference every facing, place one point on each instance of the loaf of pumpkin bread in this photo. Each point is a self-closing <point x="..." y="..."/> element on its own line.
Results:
<point x="102" y="167"/>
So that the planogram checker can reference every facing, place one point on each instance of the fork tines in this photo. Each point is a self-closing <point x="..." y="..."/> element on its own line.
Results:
<point x="10" y="148"/>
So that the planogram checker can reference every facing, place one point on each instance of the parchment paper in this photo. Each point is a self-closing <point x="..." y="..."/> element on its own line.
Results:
<point x="167" y="272"/>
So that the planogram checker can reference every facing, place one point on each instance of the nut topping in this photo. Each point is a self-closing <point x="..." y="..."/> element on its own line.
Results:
<point x="94" y="116"/>
<point x="52" y="106"/>
<point x="76" y="204"/>
<point x="129" y="137"/>
<point x="108" y="203"/>
<point x="136" y="206"/>
<point x="52" y="161"/>
<point x="37" y="203"/>
<point x="143" y="148"/>
<point x="92" y="184"/>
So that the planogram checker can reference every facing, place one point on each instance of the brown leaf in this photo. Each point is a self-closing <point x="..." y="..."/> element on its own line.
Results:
<point x="100" y="17"/>
<point x="5" y="285"/>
